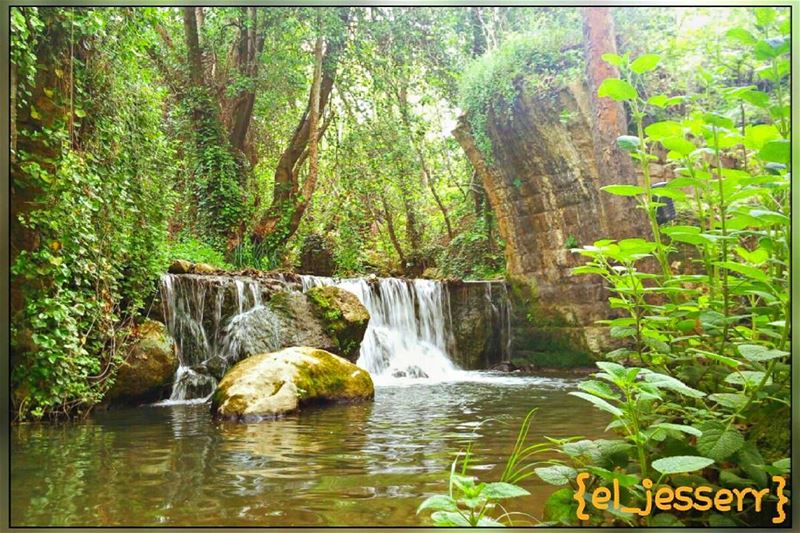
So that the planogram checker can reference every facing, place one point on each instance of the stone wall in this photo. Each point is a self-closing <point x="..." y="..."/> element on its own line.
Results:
<point x="480" y="313"/>
<point x="544" y="185"/>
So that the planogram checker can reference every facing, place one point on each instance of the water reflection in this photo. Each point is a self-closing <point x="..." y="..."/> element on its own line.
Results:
<point x="343" y="465"/>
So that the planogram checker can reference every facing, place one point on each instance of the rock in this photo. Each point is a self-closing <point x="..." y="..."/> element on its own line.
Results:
<point x="204" y="268"/>
<point x="180" y="266"/>
<point x="272" y="384"/>
<point x="504" y="366"/>
<point x="149" y="367"/>
<point x="343" y="317"/>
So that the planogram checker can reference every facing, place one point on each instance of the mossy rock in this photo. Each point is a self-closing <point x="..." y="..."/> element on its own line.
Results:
<point x="180" y="266"/>
<point x="149" y="366"/>
<point x="343" y="317"/>
<point x="272" y="384"/>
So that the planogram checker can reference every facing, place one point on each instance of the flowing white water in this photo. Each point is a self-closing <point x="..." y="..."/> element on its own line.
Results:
<point x="207" y="341"/>
<point x="409" y="331"/>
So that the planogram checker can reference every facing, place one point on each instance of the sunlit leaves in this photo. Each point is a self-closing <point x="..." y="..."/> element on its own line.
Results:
<point x="616" y="89"/>
<point x="644" y="63"/>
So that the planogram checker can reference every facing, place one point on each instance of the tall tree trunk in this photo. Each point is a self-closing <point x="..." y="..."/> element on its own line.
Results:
<point x="289" y="202"/>
<point x="609" y="122"/>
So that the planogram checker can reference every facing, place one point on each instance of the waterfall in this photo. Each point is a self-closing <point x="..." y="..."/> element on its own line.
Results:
<point x="211" y="319"/>
<point x="409" y="331"/>
<point x="501" y="314"/>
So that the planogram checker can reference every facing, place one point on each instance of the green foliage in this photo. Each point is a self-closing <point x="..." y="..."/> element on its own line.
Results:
<point x="534" y="62"/>
<point x="192" y="249"/>
<point x="472" y="503"/>
<point x="705" y="373"/>
<point x="94" y="214"/>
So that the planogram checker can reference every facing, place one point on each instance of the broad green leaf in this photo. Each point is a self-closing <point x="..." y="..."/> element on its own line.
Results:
<point x="750" y="460"/>
<point x="623" y="190"/>
<point x="747" y="378"/>
<point x="691" y="430"/>
<point x="717" y="120"/>
<point x="680" y="464"/>
<point x="663" y="381"/>
<point x="598" y="388"/>
<point x="755" y="353"/>
<point x="664" y="129"/>
<point x="725" y="360"/>
<point x="438" y="503"/>
<point x="556" y="474"/>
<point x="741" y="35"/>
<point x="449" y="519"/>
<point x="619" y="90"/>
<point x="718" y="440"/>
<point x="745" y="270"/>
<point x="757" y="136"/>
<point x="729" y="400"/>
<point x="777" y="151"/>
<point x="783" y="464"/>
<point x="679" y="145"/>
<point x="560" y="507"/>
<point x="598" y="402"/>
<point x="486" y="521"/>
<point x="613" y="59"/>
<point x="625" y="480"/>
<point x="501" y="490"/>
<point x="645" y="63"/>
<point x="628" y="143"/>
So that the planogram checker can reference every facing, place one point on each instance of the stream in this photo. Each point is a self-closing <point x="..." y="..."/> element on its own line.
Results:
<point x="367" y="464"/>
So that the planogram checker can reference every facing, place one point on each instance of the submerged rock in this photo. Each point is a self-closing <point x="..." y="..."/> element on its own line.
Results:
<point x="344" y="318"/>
<point x="272" y="384"/>
<point x="149" y="366"/>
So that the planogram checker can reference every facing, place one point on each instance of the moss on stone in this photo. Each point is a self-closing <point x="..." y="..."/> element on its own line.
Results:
<point x="271" y="384"/>
<point x="344" y="318"/>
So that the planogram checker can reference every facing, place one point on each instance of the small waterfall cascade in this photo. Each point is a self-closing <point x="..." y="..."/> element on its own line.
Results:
<point x="410" y="330"/>
<point x="211" y="318"/>
<point x="501" y="314"/>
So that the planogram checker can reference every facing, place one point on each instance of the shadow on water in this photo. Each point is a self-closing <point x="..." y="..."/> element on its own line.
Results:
<point x="366" y="464"/>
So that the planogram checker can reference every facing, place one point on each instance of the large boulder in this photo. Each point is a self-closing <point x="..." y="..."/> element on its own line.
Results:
<point x="272" y="384"/>
<point x="149" y="367"/>
<point x="343" y="317"/>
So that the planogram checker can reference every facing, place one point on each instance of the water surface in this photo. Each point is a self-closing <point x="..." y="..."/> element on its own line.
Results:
<point x="366" y="464"/>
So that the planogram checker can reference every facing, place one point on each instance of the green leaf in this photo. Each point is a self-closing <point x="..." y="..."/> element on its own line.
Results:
<point x="663" y="381"/>
<point x="750" y="460"/>
<point x="449" y="519"/>
<point x="783" y="464"/>
<point x="599" y="403"/>
<point x="747" y="378"/>
<point x="619" y="90"/>
<point x="560" y="507"/>
<point x="725" y="360"/>
<point x="757" y="136"/>
<point x="679" y="145"/>
<point x="691" y="430"/>
<point x="718" y="440"/>
<point x="623" y="190"/>
<point x="680" y="464"/>
<point x="757" y="354"/>
<point x="625" y="480"/>
<point x="777" y="151"/>
<point x="645" y="63"/>
<point x="720" y="121"/>
<point x="438" y="503"/>
<point x="501" y="491"/>
<point x="628" y="143"/>
<point x="746" y="270"/>
<point x="556" y="474"/>
<point x="613" y="59"/>
<point x="598" y="388"/>
<point x="741" y="35"/>
<point x="664" y="129"/>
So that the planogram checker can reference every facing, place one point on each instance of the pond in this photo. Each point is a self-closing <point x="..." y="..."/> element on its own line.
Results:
<point x="366" y="464"/>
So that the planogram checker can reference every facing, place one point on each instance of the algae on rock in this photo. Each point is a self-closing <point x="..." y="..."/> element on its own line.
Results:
<point x="272" y="384"/>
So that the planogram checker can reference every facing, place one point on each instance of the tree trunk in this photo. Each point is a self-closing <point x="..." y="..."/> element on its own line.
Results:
<point x="609" y="122"/>
<point x="283" y="217"/>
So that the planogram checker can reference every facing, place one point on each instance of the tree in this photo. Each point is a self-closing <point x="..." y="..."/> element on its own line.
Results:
<point x="609" y="122"/>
